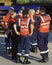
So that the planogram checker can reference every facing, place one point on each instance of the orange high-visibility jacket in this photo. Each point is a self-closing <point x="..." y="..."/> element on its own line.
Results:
<point x="6" y="19"/>
<point x="11" y="20"/>
<point x="24" y="26"/>
<point x="44" y="24"/>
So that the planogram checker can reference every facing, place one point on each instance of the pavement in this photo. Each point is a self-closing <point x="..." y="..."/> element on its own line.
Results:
<point x="34" y="57"/>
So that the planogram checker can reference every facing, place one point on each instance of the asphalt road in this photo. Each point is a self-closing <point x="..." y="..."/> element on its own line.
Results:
<point x="34" y="57"/>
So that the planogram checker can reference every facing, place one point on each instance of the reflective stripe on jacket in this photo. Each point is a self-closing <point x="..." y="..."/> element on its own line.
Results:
<point x="44" y="24"/>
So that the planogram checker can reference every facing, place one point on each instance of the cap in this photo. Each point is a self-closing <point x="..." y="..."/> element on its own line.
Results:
<point x="11" y="9"/>
<point x="22" y="8"/>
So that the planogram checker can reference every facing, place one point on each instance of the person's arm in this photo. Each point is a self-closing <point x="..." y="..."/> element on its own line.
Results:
<point x="32" y="27"/>
<point x="15" y="29"/>
<point x="38" y="20"/>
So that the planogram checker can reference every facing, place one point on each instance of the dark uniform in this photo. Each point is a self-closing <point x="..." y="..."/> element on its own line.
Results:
<point x="14" y="37"/>
<point x="24" y="24"/>
<point x="43" y="33"/>
<point x="6" y="20"/>
<point x="33" y="38"/>
<point x="7" y="38"/>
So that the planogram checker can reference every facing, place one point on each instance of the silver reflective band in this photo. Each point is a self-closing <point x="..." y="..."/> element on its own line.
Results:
<point x="45" y="23"/>
<point x="26" y="54"/>
<point x="19" y="54"/>
<point x="44" y="51"/>
<point x="33" y="44"/>
<point x="46" y="26"/>
<point x="8" y="48"/>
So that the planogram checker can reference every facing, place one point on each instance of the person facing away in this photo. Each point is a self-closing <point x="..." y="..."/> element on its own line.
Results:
<point x="24" y="23"/>
<point x="43" y="33"/>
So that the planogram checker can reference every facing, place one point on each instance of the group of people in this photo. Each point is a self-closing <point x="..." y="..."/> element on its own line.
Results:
<point x="27" y="30"/>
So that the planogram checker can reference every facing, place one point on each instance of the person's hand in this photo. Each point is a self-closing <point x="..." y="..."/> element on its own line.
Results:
<point x="18" y="33"/>
<point x="30" y="34"/>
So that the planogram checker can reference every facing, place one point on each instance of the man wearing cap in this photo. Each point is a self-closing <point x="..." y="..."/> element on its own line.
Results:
<point x="10" y="14"/>
<point x="43" y="32"/>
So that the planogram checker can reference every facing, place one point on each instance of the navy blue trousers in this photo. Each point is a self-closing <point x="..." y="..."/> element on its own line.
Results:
<point x="24" y="43"/>
<point x="33" y="37"/>
<point x="43" y="42"/>
<point x="8" y="41"/>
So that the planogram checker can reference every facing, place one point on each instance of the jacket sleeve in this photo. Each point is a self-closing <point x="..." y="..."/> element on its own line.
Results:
<point x="37" y="21"/>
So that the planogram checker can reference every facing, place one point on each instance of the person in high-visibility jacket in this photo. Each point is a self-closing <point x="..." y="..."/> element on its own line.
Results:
<point x="24" y="23"/>
<point x="31" y="14"/>
<point x="6" y="20"/>
<point x="43" y="33"/>
<point x="5" y="26"/>
<point x="33" y="38"/>
<point x="20" y="12"/>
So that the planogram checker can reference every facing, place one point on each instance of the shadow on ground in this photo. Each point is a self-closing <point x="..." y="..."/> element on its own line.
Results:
<point x="3" y="51"/>
<point x="8" y="57"/>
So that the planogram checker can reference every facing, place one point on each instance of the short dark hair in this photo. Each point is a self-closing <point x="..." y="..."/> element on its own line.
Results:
<point x="37" y="9"/>
<point x="43" y="9"/>
<point x="24" y="13"/>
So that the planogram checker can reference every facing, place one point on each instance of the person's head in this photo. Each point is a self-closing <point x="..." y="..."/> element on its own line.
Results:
<point x="37" y="11"/>
<point x="11" y="10"/>
<point x="31" y="12"/>
<point x="21" y="10"/>
<point x="24" y="13"/>
<point x="42" y="10"/>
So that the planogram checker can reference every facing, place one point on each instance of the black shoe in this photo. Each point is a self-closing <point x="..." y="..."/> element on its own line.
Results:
<point x="26" y="61"/>
<point x="44" y="60"/>
<point x="33" y="49"/>
<point x="18" y="59"/>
